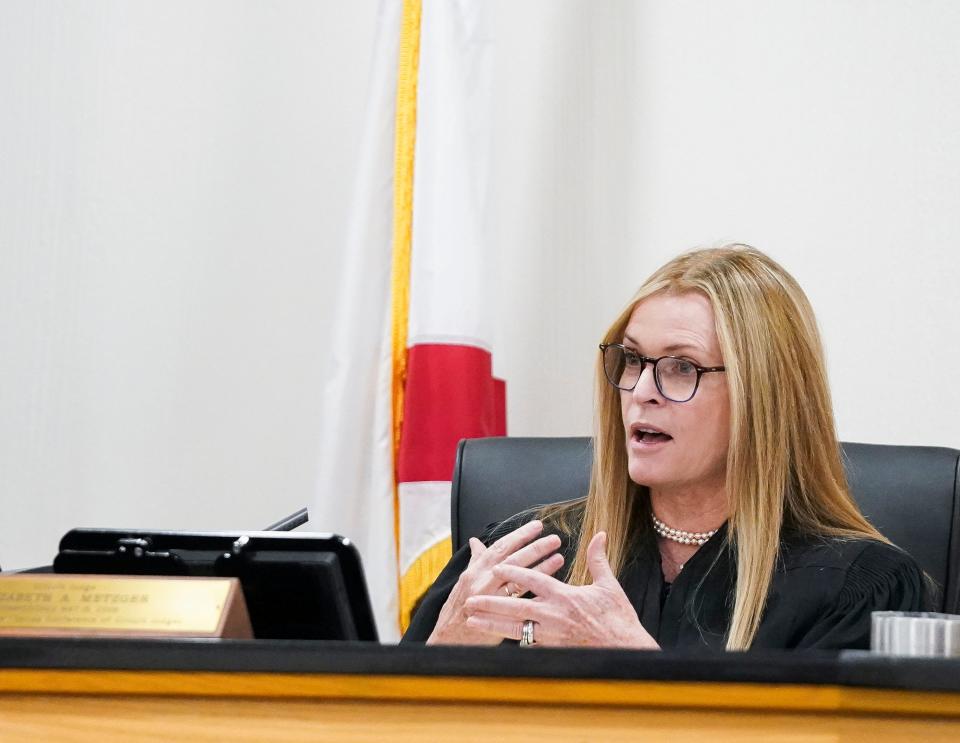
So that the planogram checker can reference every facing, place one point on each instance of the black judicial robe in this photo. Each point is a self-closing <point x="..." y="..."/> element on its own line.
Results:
<point x="821" y="596"/>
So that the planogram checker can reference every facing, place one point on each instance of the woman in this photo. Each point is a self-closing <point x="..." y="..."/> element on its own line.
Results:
<point x="718" y="514"/>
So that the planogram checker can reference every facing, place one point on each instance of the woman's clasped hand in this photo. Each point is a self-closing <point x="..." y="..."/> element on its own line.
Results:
<point x="521" y="550"/>
<point x="594" y="615"/>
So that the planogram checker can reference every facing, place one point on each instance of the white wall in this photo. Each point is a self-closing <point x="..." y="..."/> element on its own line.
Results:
<point x="826" y="133"/>
<point x="174" y="178"/>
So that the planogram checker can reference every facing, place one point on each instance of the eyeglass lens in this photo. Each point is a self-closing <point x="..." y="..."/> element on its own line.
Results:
<point x="676" y="379"/>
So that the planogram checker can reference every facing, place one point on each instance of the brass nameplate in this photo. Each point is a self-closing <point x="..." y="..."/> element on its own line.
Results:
<point x="52" y="604"/>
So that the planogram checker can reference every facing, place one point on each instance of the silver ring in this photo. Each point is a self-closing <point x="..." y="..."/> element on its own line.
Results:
<point x="526" y="634"/>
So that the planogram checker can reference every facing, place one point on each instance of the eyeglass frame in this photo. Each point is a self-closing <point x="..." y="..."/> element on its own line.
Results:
<point x="644" y="360"/>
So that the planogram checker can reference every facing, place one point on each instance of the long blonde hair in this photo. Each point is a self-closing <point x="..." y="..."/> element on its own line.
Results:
<point x="783" y="461"/>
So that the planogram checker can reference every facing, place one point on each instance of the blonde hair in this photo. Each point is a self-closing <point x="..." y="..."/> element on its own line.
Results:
<point x="783" y="461"/>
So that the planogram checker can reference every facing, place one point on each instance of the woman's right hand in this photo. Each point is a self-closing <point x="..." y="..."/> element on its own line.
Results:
<point x="521" y="548"/>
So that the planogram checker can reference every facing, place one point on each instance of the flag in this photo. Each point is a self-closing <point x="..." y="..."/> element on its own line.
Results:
<point x="412" y="372"/>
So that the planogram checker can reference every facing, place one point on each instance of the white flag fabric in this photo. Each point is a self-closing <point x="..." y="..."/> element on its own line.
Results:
<point x="412" y="362"/>
<point x="450" y="391"/>
<point x="355" y="490"/>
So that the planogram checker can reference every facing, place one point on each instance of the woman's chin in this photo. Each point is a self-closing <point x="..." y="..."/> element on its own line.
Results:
<point x="645" y="475"/>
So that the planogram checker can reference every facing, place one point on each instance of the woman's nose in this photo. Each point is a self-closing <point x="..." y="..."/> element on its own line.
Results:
<point x="646" y="387"/>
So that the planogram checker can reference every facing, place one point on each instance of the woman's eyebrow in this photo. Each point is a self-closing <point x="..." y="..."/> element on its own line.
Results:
<point x="672" y="348"/>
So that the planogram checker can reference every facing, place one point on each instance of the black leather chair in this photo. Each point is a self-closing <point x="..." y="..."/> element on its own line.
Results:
<point x="910" y="493"/>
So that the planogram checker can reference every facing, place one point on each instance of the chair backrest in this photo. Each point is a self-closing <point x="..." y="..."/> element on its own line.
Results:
<point x="910" y="493"/>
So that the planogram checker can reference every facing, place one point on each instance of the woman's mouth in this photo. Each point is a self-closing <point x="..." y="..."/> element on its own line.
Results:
<point x="645" y="437"/>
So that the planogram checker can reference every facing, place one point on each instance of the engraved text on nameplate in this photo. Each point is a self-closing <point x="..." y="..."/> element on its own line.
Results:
<point x="98" y="603"/>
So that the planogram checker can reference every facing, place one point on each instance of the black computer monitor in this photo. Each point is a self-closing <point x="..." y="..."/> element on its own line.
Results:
<point x="296" y="585"/>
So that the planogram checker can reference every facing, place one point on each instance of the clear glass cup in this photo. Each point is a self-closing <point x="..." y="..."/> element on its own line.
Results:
<point x="916" y="634"/>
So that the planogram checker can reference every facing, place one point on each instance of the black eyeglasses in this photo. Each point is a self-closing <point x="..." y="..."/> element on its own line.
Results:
<point x="676" y="379"/>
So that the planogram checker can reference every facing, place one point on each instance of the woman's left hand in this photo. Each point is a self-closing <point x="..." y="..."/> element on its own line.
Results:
<point x="597" y="615"/>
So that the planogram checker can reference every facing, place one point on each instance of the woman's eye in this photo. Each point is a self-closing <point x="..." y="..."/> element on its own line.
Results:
<point x="679" y="368"/>
<point x="631" y="359"/>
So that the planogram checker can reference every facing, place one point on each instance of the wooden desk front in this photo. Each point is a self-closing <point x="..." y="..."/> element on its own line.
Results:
<point x="255" y="691"/>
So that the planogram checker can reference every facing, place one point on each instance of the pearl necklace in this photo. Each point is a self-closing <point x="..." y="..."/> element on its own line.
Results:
<point x="679" y="535"/>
